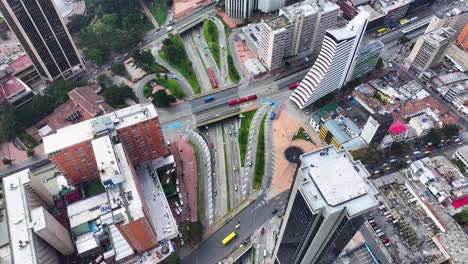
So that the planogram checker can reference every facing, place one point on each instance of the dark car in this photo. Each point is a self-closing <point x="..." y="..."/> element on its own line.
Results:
<point x="275" y="211"/>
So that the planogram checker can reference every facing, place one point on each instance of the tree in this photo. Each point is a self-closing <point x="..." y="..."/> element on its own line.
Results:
<point x="379" y="66"/>
<point x="372" y="155"/>
<point x="398" y="148"/>
<point x="462" y="217"/>
<point x="6" y="161"/>
<point x="104" y="80"/>
<point x="450" y="130"/>
<point x="162" y="99"/>
<point x="403" y="40"/>
<point x="76" y="23"/>
<point x="115" y="95"/>
<point x="95" y="55"/>
<point x="118" y="68"/>
<point x="30" y="153"/>
<point x="434" y="136"/>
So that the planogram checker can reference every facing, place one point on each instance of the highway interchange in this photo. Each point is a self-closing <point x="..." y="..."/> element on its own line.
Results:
<point x="214" y="127"/>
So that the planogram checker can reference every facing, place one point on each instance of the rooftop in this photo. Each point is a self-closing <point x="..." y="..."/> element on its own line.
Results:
<point x="340" y="127"/>
<point x="439" y="36"/>
<point x="300" y="9"/>
<point x="84" y="131"/>
<point x="349" y="31"/>
<point x="461" y="202"/>
<point x="18" y="218"/>
<point x="328" y="175"/>
<point x="365" y="49"/>
<point x="20" y="64"/>
<point x="11" y="86"/>
<point x="324" y="112"/>
<point x="277" y="23"/>
<point x="397" y="128"/>
<point x="88" y="99"/>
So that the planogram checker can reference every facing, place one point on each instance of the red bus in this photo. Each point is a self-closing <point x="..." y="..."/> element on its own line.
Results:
<point x="293" y="86"/>
<point x="212" y="77"/>
<point x="252" y="97"/>
<point x="233" y="102"/>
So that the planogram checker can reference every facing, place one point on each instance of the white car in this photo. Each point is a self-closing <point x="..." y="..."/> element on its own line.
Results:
<point x="381" y="234"/>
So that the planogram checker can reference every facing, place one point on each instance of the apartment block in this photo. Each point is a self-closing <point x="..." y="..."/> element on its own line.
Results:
<point x="327" y="203"/>
<point x="429" y="49"/>
<point x="240" y="9"/>
<point x="455" y="18"/>
<point x="274" y="42"/>
<point x="39" y="28"/>
<point x="137" y="127"/>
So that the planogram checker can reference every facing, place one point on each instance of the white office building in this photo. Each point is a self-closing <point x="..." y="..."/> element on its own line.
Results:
<point x="240" y="9"/>
<point x="267" y="6"/>
<point x="328" y="200"/>
<point x="275" y="41"/>
<point x="35" y="235"/>
<point x="333" y="65"/>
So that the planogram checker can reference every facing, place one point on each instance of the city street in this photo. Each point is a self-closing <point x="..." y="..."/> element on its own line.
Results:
<point x="231" y="129"/>
<point x="250" y="219"/>
<point x="223" y="51"/>
<point x="197" y="64"/>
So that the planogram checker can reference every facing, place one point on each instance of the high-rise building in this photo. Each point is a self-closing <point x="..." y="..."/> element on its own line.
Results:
<point x="376" y="128"/>
<point x="137" y="127"/>
<point x="267" y="6"/>
<point x="35" y="235"/>
<point x="429" y="49"/>
<point x="299" y="29"/>
<point x="455" y="18"/>
<point x="43" y="35"/>
<point x="327" y="202"/>
<point x="333" y="65"/>
<point x="366" y="59"/>
<point x="240" y="9"/>
<point x="303" y="17"/>
<point x="275" y="41"/>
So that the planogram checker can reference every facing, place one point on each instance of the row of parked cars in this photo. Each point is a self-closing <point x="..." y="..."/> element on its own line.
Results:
<point x="378" y="231"/>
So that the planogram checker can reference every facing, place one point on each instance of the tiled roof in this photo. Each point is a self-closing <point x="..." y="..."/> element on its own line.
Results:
<point x="87" y="98"/>
<point x="397" y="128"/>
<point x="20" y="64"/>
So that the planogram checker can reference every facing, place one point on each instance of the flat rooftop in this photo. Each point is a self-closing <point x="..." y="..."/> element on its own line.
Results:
<point x="277" y="23"/>
<point x="350" y="30"/>
<point x="333" y="181"/>
<point x="159" y="211"/>
<point x="439" y="36"/>
<point x="18" y="218"/>
<point x="84" y="131"/>
<point x="112" y="163"/>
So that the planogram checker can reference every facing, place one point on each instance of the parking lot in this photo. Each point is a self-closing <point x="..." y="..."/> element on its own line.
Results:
<point x="403" y="227"/>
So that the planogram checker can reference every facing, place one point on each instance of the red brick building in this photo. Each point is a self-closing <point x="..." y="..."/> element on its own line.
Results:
<point x="137" y="127"/>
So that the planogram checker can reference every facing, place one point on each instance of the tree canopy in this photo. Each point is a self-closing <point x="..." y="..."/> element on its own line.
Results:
<point x="162" y="99"/>
<point x="115" y="95"/>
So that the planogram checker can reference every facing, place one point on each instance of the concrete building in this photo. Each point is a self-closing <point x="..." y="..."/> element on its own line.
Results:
<point x="267" y="6"/>
<point x="328" y="199"/>
<point x="462" y="39"/>
<point x="429" y="49"/>
<point x="274" y="42"/>
<point x="376" y="128"/>
<point x="45" y="38"/>
<point x="343" y="133"/>
<point x="137" y="128"/>
<point x="455" y="18"/>
<point x="122" y="226"/>
<point x="421" y="124"/>
<point x="303" y="18"/>
<point x="366" y="59"/>
<point x="240" y="9"/>
<point x="333" y="65"/>
<point x="462" y="155"/>
<point x="398" y="131"/>
<point x="457" y="94"/>
<point x="328" y="19"/>
<point x="394" y="9"/>
<point x="35" y="235"/>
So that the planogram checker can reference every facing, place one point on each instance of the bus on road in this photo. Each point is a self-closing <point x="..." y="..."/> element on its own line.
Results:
<point x="228" y="239"/>
<point x="382" y="30"/>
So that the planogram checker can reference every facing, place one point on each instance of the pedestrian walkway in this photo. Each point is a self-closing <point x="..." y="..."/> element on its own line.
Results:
<point x="185" y="158"/>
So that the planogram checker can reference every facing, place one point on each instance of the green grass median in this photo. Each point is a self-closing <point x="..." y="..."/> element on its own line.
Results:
<point x="244" y="133"/>
<point x="172" y="86"/>
<point x="197" y="157"/>
<point x="174" y="53"/>
<point x="228" y="190"/>
<point x="260" y="158"/>
<point x="211" y="35"/>
<point x="159" y="9"/>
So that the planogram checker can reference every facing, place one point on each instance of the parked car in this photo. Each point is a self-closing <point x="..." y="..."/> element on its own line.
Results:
<point x="381" y="234"/>
<point x="275" y="211"/>
<point x="378" y="230"/>
<point x="371" y="221"/>
<point x="373" y="224"/>
<point x="385" y="240"/>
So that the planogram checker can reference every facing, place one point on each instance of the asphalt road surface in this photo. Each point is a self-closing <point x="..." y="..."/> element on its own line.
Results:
<point x="251" y="218"/>
<point x="231" y="129"/>
<point x="197" y="65"/>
